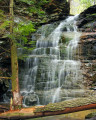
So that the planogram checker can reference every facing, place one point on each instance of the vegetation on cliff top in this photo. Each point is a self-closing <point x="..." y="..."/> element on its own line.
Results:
<point x="77" y="6"/>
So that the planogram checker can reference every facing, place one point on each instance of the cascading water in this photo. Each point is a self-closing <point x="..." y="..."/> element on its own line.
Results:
<point x="48" y="76"/>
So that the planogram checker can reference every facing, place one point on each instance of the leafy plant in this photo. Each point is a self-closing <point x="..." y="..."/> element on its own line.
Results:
<point x="78" y="6"/>
<point x="87" y="3"/>
<point x="35" y="2"/>
<point x="4" y="23"/>
<point x="35" y="6"/>
<point x="21" y="32"/>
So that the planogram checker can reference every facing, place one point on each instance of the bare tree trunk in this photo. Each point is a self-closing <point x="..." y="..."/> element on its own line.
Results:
<point x="69" y="1"/>
<point x="16" y="103"/>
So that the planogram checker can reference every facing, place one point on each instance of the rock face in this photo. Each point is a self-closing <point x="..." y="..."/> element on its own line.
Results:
<point x="87" y="24"/>
<point x="88" y="57"/>
<point x="87" y="16"/>
<point x="55" y="10"/>
<point x="31" y="99"/>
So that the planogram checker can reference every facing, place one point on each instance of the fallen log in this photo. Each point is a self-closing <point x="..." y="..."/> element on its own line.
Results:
<point x="63" y="107"/>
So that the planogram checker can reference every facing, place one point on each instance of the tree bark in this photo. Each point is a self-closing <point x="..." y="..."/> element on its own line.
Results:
<point x="63" y="107"/>
<point x="69" y="1"/>
<point x="30" y="112"/>
<point x="17" y="101"/>
<point x="5" y="77"/>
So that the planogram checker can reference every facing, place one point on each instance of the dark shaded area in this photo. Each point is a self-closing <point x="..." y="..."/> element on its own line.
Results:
<point x="5" y="66"/>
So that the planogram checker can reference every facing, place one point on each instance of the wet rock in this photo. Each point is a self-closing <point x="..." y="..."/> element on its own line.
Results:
<point x="7" y="96"/>
<point x="30" y="99"/>
<point x="87" y="16"/>
<point x="3" y="89"/>
<point x="88" y="53"/>
<point x="89" y="27"/>
<point x="93" y="88"/>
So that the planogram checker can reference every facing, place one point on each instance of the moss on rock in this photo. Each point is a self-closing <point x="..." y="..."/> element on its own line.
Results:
<point x="90" y="115"/>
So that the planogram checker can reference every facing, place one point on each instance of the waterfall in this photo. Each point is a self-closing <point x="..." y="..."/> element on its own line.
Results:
<point x="50" y="75"/>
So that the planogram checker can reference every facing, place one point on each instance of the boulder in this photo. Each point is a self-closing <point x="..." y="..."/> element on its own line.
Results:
<point x="30" y="99"/>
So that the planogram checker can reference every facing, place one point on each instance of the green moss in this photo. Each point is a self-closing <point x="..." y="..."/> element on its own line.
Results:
<point x="17" y="107"/>
<point x="90" y="115"/>
<point x="66" y="104"/>
<point x="65" y="39"/>
<point x="16" y="114"/>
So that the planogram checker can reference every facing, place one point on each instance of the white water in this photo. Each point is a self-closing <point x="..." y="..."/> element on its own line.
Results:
<point x="46" y="71"/>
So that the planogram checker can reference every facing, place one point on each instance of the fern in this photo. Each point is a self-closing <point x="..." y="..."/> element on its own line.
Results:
<point x="29" y="2"/>
<point x="21" y="32"/>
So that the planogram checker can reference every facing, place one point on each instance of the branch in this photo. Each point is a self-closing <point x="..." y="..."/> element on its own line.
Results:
<point x="5" y="77"/>
<point x="4" y="49"/>
<point x="2" y="53"/>
<point x="5" y="6"/>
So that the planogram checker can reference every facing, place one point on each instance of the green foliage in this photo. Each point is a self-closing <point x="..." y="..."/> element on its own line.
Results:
<point x="29" y="2"/>
<point x="24" y="29"/>
<point x="78" y="6"/>
<point x="4" y="23"/>
<point x="86" y="3"/>
<point x="35" y="10"/>
<point x="21" y="31"/>
<point x="35" y="6"/>
<point x="1" y="15"/>
<point x="35" y="2"/>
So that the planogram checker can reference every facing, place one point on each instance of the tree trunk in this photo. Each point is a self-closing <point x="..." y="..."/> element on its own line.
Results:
<point x="64" y="107"/>
<point x="15" y="81"/>
<point x="69" y="1"/>
<point x="16" y="103"/>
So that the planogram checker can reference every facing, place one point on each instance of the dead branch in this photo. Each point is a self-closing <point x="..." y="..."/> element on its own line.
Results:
<point x="5" y="77"/>
<point x="4" y="49"/>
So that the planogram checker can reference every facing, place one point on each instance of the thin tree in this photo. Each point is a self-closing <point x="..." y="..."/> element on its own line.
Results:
<point x="16" y="101"/>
